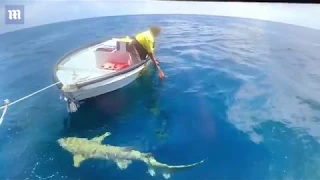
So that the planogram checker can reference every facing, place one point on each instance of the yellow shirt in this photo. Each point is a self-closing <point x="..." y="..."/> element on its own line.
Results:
<point x="146" y="39"/>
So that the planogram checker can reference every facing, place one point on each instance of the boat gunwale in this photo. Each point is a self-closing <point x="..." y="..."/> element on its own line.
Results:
<point x="97" y="79"/>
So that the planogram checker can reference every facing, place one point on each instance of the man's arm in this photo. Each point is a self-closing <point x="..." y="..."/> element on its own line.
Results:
<point x="161" y="74"/>
<point x="150" y="49"/>
<point x="151" y="55"/>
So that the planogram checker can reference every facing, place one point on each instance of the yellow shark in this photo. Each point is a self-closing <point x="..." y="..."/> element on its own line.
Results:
<point x="83" y="148"/>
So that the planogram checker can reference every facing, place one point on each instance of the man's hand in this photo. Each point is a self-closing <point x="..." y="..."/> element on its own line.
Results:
<point x="160" y="73"/>
<point x="155" y="61"/>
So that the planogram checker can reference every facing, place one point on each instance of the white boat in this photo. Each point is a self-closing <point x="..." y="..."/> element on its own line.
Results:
<point x="95" y="70"/>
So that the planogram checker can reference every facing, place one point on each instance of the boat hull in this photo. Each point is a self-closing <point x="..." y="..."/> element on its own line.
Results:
<point x="106" y="86"/>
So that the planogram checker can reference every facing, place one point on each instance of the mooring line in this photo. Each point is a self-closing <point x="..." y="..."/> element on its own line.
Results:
<point x="7" y="103"/>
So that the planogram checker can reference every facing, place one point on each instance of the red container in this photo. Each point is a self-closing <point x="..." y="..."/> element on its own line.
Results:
<point x="117" y="61"/>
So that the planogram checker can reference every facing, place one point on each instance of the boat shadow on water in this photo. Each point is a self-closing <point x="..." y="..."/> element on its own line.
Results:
<point x="105" y="110"/>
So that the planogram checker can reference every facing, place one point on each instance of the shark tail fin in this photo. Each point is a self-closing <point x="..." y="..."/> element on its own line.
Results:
<point x="186" y="166"/>
<point x="167" y="170"/>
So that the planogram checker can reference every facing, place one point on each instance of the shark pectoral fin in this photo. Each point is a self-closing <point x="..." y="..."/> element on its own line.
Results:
<point x="123" y="163"/>
<point x="77" y="159"/>
<point x="99" y="139"/>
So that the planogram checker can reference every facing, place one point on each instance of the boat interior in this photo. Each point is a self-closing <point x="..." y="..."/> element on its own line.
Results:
<point x="104" y="58"/>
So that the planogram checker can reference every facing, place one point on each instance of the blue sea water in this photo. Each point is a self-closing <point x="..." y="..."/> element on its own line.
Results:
<point x="243" y="93"/>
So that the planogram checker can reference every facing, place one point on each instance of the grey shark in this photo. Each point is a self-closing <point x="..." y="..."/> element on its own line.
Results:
<point x="83" y="148"/>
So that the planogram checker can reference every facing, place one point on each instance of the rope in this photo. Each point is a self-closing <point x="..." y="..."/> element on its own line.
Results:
<point x="4" y="112"/>
<point x="7" y="103"/>
<point x="25" y="97"/>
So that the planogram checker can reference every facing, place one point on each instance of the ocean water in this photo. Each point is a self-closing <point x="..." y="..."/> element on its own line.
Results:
<point x="242" y="93"/>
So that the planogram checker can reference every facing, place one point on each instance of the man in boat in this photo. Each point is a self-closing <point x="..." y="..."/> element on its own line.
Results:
<point x="143" y="45"/>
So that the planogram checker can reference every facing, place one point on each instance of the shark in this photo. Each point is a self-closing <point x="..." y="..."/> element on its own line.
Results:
<point x="84" y="148"/>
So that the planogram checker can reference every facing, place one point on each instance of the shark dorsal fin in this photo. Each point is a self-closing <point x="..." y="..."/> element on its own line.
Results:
<point x="99" y="139"/>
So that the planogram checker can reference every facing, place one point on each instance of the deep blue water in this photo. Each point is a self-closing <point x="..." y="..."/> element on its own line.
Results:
<point x="242" y="93"/>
